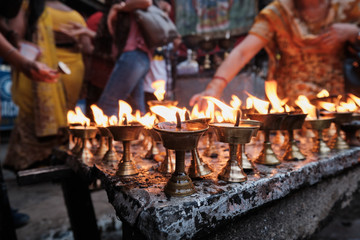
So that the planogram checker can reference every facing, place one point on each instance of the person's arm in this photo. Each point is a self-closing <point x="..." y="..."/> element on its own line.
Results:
<point x="236" y="60"/>
<point x="128" y="6"/>
<point x="34" y="70"/>
<point x="339" y="33"/>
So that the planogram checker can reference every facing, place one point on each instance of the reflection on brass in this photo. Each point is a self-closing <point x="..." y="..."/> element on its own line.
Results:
<point x="110" y="158"/>
<point x="319" y="125"/>
<point x="77" y="148"/>
<point x="180" y="140"/>
<point x="271" y="121"/>
<point x="126" y="134"/>
<point x="340" y="118"/>
<point x="84" y="134"/>
<point x="235" y="136"/>
<point x="198" y="167"/>
<point x="210" y="150"/>
<point x="233" y="171"/>
<point x="246" y="164"/>
<point x="351" y="131"/>
<point x="102" y="149"/>
<point x="155" y="138"/>
<point x="167" y="166"/>
<point x="291" y="123"/>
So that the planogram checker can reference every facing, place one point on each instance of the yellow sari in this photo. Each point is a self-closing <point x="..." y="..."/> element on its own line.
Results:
<point x="42" y="107"/>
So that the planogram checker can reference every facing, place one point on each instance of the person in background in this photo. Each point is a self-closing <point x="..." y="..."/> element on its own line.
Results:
<point x="305" y="42"/>
<point x="12" y="218"/>
<point x="100" y="62"/>
<point x="42" y="106"/>
<point x="160" y="67"/>
<point x="127" y="78"/>
<point x="69" y="49"/>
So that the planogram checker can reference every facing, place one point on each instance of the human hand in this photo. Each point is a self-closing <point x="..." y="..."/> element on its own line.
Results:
<point x="74" y="29"/>
<point x="40" y="72"/>
<point x="113" y="16"/>
<point x="202" y="103"/>
<point x="338" y="33"/>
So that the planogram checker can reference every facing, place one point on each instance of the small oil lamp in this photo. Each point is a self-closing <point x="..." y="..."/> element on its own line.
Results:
<point x="235" y="135"/>
<point x="167" y="165"/>
<point x="319" y="125"/>
<point x="315" y="122"/>
<point x="84" y="133"/>
<point x="292" y="122"/>
<point x="246" y="164"/>
<point x="180" y="137"/>
<point x="81" y="130"/>
<point x="110" y="156"/>
<point x="270" y="121"/>
<point x="339" y="118"/>
<point x="126" y="133"/>
<point x="198" y="167"/>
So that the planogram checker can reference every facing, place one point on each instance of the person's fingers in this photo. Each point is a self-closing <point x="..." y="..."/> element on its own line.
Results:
<point x="203" y="104"/>
<point x="195" y="99"/>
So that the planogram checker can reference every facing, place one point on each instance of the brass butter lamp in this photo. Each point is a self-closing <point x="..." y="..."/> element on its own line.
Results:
<point x="84" y="133"/>
<point x="180" y="137"/>
<point x="339" y="118"/>
<point x="292" y="121"/>
<point x="246" y="164"/>
<point x="110" y="157"/>
<point x="126" y="134"/>
<point x="234" y="135"/>
<point x="319" y="125"/>
<point x="198" y="167"/>
<point x="270" y="121"/>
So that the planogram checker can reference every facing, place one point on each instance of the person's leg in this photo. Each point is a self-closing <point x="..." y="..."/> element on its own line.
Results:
<point x="129" y="69"/>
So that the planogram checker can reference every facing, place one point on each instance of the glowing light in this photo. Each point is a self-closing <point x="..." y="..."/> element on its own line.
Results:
<point x="305" y="105"/>
<point x="323" y="93"/>
<point x="100" y="118"/>
<point x="159" y="87"/>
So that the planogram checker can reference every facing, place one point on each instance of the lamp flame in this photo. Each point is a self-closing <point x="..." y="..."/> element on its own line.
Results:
<point x="305" y="105"/>
<point x="271" y="93"/>
<point x="323" y="93"/>
<point x="101" y="119"/>
<point x="159" y="87"/>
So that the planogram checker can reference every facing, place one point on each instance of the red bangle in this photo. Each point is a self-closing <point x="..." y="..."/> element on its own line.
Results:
<point x="221" y="78"/>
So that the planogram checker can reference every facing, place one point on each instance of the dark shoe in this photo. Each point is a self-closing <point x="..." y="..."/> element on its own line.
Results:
<point x="20" y="219"/>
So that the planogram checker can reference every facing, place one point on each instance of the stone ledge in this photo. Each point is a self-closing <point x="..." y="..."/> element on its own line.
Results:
<point x="141" y="203"/>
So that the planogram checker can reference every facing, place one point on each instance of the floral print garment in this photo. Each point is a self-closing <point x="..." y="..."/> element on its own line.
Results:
<point x="296" y="61"/>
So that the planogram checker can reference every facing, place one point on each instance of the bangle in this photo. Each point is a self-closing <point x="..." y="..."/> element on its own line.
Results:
<point x="221" y="78"/>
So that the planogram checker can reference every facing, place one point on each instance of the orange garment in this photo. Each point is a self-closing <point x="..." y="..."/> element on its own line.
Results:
<point x="295" y="62"/>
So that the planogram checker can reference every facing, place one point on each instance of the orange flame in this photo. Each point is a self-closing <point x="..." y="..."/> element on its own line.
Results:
<point x="125" y="110"/>
<point x="249" y="103"/>
<point x="323" y="93"/>
<point x="271" y="93"/>
<point x="228" y="113"/>
<point x="168" y="113"/>
<point x="305" y="105"/>
<point x="350" y="105"/>
<point x="235" y="102"/>
<point x="355" y="98"/>
<point x="260" y="105"/>
<point x="113" y="121"/>
<point x="77" y="117"/>
<point x="100" y="118"/>
<point x="147" y="120"/>
<point x="159" y="87"/>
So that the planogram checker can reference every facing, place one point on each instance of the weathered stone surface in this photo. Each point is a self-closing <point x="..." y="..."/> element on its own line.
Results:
<point x="141" y="202"/>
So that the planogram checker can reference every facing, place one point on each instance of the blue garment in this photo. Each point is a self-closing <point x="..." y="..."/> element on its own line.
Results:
<point x="126" y="80"/>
